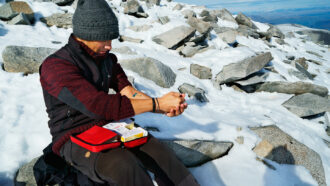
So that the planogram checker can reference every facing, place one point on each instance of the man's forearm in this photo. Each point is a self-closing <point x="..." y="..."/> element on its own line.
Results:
<point x="132" y="93"/>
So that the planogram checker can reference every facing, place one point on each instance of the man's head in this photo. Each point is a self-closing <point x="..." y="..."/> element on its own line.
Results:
<point x="95" y="23"/>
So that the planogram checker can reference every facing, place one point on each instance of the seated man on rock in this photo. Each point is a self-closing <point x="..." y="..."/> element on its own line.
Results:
<point x="75" y="82"/>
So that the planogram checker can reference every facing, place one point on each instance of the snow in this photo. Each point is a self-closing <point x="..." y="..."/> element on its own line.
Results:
<point x="23" y="115"/>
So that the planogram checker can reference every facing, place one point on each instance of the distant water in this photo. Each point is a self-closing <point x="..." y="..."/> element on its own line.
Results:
<point x="310" y="13"/>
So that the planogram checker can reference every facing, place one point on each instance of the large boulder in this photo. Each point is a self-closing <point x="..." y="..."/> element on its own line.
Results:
<point x="175" y="37"/>
<point x="278" y="146"/>
<point x="224" y="14"/>
<point x="24" y="59"/>
<point x="307" y="105"/>
<point x="59" y="20"/>
<point x="189" y="50"/>
<point x="200" y="25"/>
<point x="200" y="71"/>
<point x="293" y="88"/>
<point x="193" y="91"/>
<point x="228" y="36"/>
<point x="196" y="152"/>
<point x="244" y="20"/>
<point x="273" y="31"/>
<point x="244" y="68"/>
<point x="12" y="9"/>
<point x="253" y="79"/>
<point x="151" y="69"/>
<point x="20" y="19"/>
<point x="208" y="16"/>
<point x="247" y="31"/>
<point x="317" y="36"/>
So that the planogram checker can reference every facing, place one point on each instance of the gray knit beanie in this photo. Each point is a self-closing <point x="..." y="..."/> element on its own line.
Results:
<point x="94" y="20"/>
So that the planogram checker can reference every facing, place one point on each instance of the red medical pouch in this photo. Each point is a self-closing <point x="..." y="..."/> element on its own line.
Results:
<point x="136" y="142"/>
<point x="97" y="139"/>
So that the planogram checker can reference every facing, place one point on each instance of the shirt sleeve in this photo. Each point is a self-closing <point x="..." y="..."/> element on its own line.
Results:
<point x="118" y="79"/>
<point x="65" y="81"/>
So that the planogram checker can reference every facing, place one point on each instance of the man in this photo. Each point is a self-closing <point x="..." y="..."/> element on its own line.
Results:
<point x="75" y="82"/>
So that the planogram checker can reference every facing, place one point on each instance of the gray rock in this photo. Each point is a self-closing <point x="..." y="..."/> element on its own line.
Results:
<point x="228" y="36"/>
<point x="314" y="53"/>
<point x="240" y="139"/>
<point x="290" y="57"/>
<point x="58" y="2"/>
<point x="200" y="25"/>
<point x="26" y="175"/>
<point x="189" y="51"/>
<point x="196" y="152"/>
<point x="140" y="28"/>
<point x="193" y="91"/>
<point x="302" y="62"/>
<point x="307" y="105"/>
<point x="208" y="17"/>
<point x="164" y="20"/>
<point x="280" y="41"/>
<point x="219" y="29"/>
<point x="153" y="2"/>
<point x="287" y="61"/>
<point x="304" y="73"/>
<point x="188" y="13"/>
<point x="293" y="88"/>
<point x="178" y="7"/>
<point x="225" y="15"/>
<point x="290" y="35"/>
<point x="244" y="20"/>
<point x="59" y="20"/>
<point x="278" y="146"/>
<point x="132" y="7"/>
<point x="130" y="39"/>
<point x="175" y="37"/>
<point x="20" y="19"/>
<point x="201" y="72"/>
<point x="12" y="9"/>
<point x="244" y="68"/>
<point x="317" y="36"/>
<point x="24" y="59"/>
<point x="258" y="78"/>
<point x="198" y="39"/>
<point x="315" y="62"/>
<point x="273" y="31"/>
<point x="151" y="69"/>
<point x="124" y="50"/>
<point x="247" y="31"/>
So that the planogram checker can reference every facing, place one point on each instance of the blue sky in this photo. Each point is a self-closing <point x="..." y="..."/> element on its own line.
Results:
<point x="259" y="5"/>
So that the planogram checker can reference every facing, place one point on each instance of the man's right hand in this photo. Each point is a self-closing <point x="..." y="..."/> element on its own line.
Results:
<point x="172" y="104"/>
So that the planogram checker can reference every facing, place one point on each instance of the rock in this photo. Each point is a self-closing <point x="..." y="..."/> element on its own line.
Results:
<point x="247" y="31"/>
<point x="228" y="36"/>
<point x="196" y="152"/>
<point x="315" y="62"/>
<point x="192" y="91"/>
<point x="20" y="19"/>
<point x="244" y="20"/>
<point x="59" y="20"/>
<point x="201" y="72"/>
<point x="151" y="69"/>
<point x="198" y="39"/>
<point x="12" y="9"/>
<point x="314" y="53"/>
<point x="316" y="36"/>
<point x="164" y="20"/>
<point x="280" y="41"/>
<point x="124" y="50"/>
<point x="293" y="88"/>
<point x="307" y="105"/>
<point x="58" y="2"/>
<point x="282" y="148"/>
<point x="140" y="28"/>
<point x="273" y="31"/>
<point x="208" y="17"/>
<point x="130" y="39"/>
<point x="189" y="51"/>
<point x="302" y="62"/>
<point x="240" y="139"/>
<point x="287" y="61"/>
<point x="224" y="14"/>
<point x="256" y="78"/>
<point x="290" y="57"/>
<point x="132" y="7"/>
<point x="290" y="35"/>
<point x="244" y="68"/>
<point x="201" y="26"/>
<point x="178" y="7"/>
<point x="153" y="2"/>
<point x="25" y="173"/>
<point x="303" y="71"/>
<point x="175" y="37"/>
<point x="24" y="59"/>
<point x="188" y="13"/>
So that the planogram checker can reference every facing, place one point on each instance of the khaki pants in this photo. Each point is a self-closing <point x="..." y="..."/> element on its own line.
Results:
<point x="128" y="167"/>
